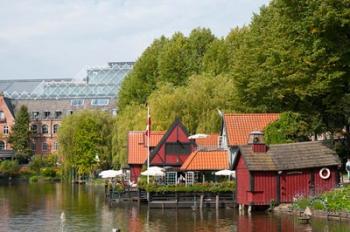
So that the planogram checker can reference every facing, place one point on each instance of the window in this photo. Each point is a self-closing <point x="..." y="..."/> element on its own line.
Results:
<point x="171" y="178"/>
<point x="44" y="129"/>
<point x="99" y="102"/>
<point x="2" y="145"/>
<point x="55" y="128"/>
<point x="33" y="146"/>
<point x="77" y="102"/>
<point x="58" y="114"/>
<point x="55" y="146"/>
<point x="178" y="148"/>
<point x="45" y="147"/>
<point x="35" y="115"/>
<point x="34" y="129"/>
<point x="47" y="114"/>
<point x="2" y="116"/>
<point x="189" y="178"/>
<point x="6" y="129"/>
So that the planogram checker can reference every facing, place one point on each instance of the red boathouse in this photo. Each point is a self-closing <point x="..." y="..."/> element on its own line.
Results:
<point x="280" y="173"/>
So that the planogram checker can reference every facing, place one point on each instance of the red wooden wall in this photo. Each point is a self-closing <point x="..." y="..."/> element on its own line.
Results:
<point x="294" y="184"/>
<point x="135" y="172"/>
<point x="242" y="177"/>
<point x="322" y="185"/>
<point x="264" y="188"/>
<point x="162" y="159"/>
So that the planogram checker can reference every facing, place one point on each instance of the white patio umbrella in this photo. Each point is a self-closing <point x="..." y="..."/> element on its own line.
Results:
<point x="156" y="168"/>
<point x="153" y="172"/>
<point x="111" y="173"/>
<point x="225" y="172"/>
<point x="198" y="136"/>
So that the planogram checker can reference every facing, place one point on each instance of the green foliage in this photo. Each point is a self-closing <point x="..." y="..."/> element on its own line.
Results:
<point x="295" y="57"/>
<point x="37" y="163"/>
<point x="337" y="200"/>
<point x="48" y="172"/>
<point x="9" y="167"/>
<point x="84" y="135"/>
<point x="187" y="102"/>
<point x="133" y="117"/>
<point x="215" y="187"/>
<point x="20" y="136"/>
<point x="291" y="127"/>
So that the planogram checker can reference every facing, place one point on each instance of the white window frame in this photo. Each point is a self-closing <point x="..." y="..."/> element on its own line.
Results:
<point x="42" y="147"/>
<point x="42" y="129"/>
<point x="77" y="102"/>
<point x="171" y="178"/>
<point x="95" y="102"/>
<point x="55" y="128"/>
<point x="6" y="130"/>
<point x="190" y="179"/>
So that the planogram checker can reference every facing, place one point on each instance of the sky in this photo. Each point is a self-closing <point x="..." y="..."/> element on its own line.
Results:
<point x="58" y="38"/>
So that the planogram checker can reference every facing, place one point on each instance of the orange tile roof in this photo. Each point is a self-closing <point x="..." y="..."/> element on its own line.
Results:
<point x="239" y="126"/>
<point x="206" y="160"/>
<point x="210" y="141"/>
<point x="137" y="145"/>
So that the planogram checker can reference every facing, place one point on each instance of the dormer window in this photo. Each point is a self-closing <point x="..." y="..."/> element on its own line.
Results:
<point x="2" y="116"/>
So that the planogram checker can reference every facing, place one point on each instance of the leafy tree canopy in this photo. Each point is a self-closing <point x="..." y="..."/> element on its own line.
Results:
<point x="20" y="135"/>
<point x="84" y="135"/>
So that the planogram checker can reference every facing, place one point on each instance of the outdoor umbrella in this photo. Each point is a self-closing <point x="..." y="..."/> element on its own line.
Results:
<point x="110" y="173"/>
<point x="153" y="172"/>
<point x="198" y="136"/>
<point x="156" y="168"/>
<point x="225" y="172"/>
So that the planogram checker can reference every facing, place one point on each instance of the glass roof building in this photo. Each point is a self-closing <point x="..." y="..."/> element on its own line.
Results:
<point x="99" y="82"/>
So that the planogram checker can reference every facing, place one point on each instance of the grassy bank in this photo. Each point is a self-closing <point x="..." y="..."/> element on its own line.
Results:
<point x="337" y="200"/>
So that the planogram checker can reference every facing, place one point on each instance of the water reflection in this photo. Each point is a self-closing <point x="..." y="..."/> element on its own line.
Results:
<point x="60" y="207"/>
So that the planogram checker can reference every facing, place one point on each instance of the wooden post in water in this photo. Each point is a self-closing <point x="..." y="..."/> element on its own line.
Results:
<point x="217" y="201"/>
<point x="201" y="202"/>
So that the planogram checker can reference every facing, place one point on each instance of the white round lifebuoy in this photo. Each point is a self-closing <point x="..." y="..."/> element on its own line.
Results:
<point x="328" y="173"/>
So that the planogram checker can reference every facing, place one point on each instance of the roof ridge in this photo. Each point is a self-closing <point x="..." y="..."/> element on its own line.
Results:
<point x="248" y="114"/>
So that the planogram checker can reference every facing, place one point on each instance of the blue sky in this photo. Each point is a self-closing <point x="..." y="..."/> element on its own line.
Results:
<point x="57" y="38"/>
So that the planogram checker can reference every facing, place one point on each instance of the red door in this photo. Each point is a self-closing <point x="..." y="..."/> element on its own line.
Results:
<point x="294" y="185"/>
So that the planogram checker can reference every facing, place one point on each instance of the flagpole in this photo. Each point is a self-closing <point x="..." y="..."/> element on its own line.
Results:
<point x="148" y="138"/>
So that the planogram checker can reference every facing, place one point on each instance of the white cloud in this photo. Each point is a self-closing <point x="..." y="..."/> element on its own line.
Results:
<point x="45" y="39"/>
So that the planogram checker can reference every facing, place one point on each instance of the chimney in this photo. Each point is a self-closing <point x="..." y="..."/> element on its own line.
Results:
<point x="256" y="139"/>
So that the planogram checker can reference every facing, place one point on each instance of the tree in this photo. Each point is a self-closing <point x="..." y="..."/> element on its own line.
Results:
<point x="9" y="167"/>
<point x="290" y="128"/>
<point x="142" y="79"/>
<point x="295" y="57"/>
<point x="20" y="135"/>
<point x="83" y="136"/>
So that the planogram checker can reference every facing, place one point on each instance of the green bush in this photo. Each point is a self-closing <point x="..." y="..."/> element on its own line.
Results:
<point x="48" y="172"/>
<point x="33" y="179"/>
<point x="227" y="186"/>
<point x="9" y="167"/>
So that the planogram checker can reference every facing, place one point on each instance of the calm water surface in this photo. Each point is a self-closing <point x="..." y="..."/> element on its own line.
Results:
<point x="61" y="207"/>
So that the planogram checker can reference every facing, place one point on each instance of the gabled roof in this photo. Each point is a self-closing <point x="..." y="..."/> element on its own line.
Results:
<point x="137" y="145"/>
<point x="206" y="160"/>
<point x="290" y="156"/>
<point x="176" y="123"/>
<point x="239" y="126"/>
<point x="9" y="106"/>
<point x="209" y="142"/>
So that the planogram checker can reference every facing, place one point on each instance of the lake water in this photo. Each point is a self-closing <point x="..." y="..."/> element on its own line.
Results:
<point x="65" y="207"/>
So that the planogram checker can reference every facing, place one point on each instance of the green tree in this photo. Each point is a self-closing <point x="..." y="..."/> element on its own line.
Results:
<point x="83" y="136"/>
<point x="133" y="117"/>
<point x="295" y="57"/>
<point x="20" y="135"/>
<point x="141" y="81"/>
<point x="9" y="167"/>
<point x="291" y="127"/>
